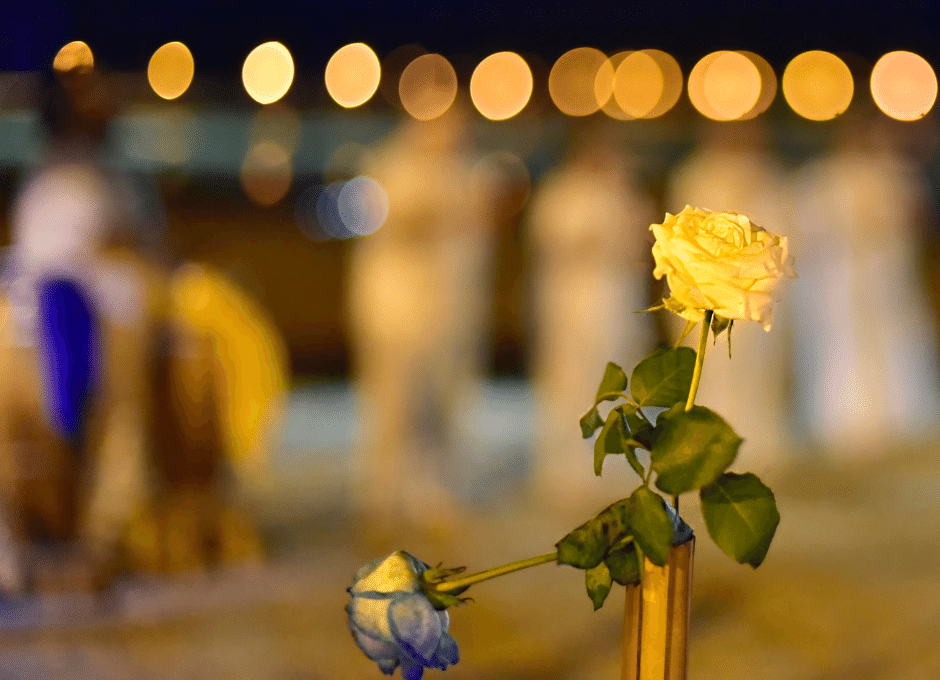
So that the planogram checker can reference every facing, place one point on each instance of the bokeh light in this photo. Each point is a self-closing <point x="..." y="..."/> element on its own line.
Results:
<point x="393" y="65"/>
<point x="638" y="84"/>
<point x="74" y="56"/>
<point x="501" y="85"/>
<point x="268" y="72"/>
<point x="732" y="85"/>
<point x="604" y="87"/>
<point x="428" y="87"/>
<point x="171" y="70"/>
<point x="817" y="85"/>
<point x="904" y="85"/>
<point x="352" y="75"/>
<point x="672" y="82"/>
<point x="768" y="85"/>
<point x="266" y="173"/>
<point x="572" y="81"/>
<point x="363" y="205"/>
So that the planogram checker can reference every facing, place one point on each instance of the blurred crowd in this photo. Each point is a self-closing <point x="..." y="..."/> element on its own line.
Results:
<point x="139" y="390"/>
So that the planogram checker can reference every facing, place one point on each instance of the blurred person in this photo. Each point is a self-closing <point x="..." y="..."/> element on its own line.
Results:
<point x="72" y="410"/>
<point x="866" y="339"/>
<point x="418" y="310"/>
<point x="733" y="169"/>
<point x="587" y="229"/>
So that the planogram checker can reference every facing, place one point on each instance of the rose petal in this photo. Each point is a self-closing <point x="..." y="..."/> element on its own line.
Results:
<point x="411" y="670"/>
<point x="393" y="574"/>
<point x="375" y="649"/>
<point x="371" y="614"/>
<point x="415" y="626"/>
<point x="447" y="652"/>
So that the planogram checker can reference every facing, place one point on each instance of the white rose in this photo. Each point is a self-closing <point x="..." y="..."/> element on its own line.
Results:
<point x="722" y="262"/>
<point x="394" y="623"/>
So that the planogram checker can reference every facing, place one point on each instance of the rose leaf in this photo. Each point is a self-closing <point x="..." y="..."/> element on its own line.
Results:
<point x="623" y="564"/>
<point x="650" y="523"/>
<point x="583" y="547"/>
<point x="692" y="449"/>
<point x="612" y="384"/>
<point x="597" y="580"/>
<point x="590" y="421"/>
<point x="664" y="377"/>
<point x="741" y="515"/>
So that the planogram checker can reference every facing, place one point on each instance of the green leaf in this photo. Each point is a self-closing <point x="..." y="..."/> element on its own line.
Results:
<point x="590" y="421"/>
<point x="612" y="384"/>
<point x="583" y="547"/>
<point x="614" y="521"/>
<point x="611" y="439"/>
<point x="741" y="515"/>
<point x="650" y="523"/>
<point x="664" y="377"/>
<point x="692" y="449"/>
<point x="597" y="581"/>
<point x="623" y="564"/>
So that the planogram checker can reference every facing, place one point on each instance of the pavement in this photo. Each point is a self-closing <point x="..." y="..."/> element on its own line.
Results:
<point x="848" y="590"/>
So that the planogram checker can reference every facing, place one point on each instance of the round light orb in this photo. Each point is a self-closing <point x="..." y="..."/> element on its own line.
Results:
<point x="768" y="85"/>
<point x="732" y="85"/>
<point x="428" y="87"/>
<point x="76" y="55"/>
<point x="501" y="85"/>
<point x="268" y="72"/>
<point x="638" y="84"/>
<point x="363" y="205"/>
<point x="352" y="75"/>
<point x="904" y="85"/>
<point x="266" y="173"/>
<point x="572" y="81"/>
<point x="171" y="70"/>
<point x="817" y="85"/>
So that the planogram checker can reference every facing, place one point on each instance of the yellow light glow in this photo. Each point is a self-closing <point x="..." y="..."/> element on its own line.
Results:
<point x="268" y="72"/>
<point x="75" y="55"/>
<point x="266" y="173"/>
<point x="171" y="70"/>
<point x="732" y="85"/>
<point x="697" y="86"/>
<point x="501" y="85"/>
<point x="904" y="85"/>
<point x="768" y="85"/>
<point x="352" y="75"/>
<point x="672" y="82"/>
<point x="428" y="87"/>
<point x="604" y="87"/>
<point x="638" y="84"/>
<point x="817" y="85"/>
<point x="572" y="80"/>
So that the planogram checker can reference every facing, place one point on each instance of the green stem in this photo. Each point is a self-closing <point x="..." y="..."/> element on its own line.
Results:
<point x="699" y="359"/>
<point x="464" y="581"/>
<point x="697" y="373"/>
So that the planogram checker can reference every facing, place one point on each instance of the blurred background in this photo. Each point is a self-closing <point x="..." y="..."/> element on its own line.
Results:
<point x="287" y="287"/>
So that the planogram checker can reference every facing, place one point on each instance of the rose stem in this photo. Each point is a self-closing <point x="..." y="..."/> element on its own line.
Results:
<point x="697" y="373"/>
<point x="464" y="581"/>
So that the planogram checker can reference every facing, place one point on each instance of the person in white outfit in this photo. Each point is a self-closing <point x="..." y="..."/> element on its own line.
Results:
<point x="866" y="337"/>
<point x="590" y="248"/>
<point x="418" y="309"/>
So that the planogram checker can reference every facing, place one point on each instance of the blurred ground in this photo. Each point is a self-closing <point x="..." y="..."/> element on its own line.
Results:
<point x="849" y="588"/>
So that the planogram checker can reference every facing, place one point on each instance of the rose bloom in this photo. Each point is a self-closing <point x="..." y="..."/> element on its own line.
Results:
<point x="722" y="262"/>
<point x="394" y="623"/>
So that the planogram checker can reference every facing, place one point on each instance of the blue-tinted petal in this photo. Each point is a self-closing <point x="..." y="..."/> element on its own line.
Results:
<point x="411" y="670"/>
<point x="388" y="666"/>
<point x="375" y="649"/>
<point x="445" y="620"/>
<point x="416" y="627"/>
<point x="416" y="564"/>
<point x="447" y="652"/>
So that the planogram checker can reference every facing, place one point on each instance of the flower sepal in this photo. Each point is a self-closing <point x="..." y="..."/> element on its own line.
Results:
<point x="437" y="575"/>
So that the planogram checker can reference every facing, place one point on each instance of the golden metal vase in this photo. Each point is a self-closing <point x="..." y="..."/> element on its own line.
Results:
<point x="656" y="619"/>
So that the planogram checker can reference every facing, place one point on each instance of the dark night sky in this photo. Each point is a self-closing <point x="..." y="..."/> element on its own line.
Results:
<point x="123" y="35"/>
